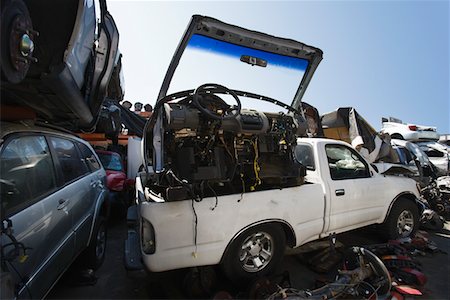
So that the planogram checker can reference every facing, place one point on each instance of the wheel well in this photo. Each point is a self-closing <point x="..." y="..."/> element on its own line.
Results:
<point x="397" y="136"/>
<point x="105" y="209"/>
<point x="407" y="196"/>
<point x="287" y="229"/>
<point x="290" y="235"/>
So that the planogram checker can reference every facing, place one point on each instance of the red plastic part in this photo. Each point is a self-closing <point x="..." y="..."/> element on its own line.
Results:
<point x="421" y="278"/>
<point x="115" y="180"/>
<point x="408" y="290"/>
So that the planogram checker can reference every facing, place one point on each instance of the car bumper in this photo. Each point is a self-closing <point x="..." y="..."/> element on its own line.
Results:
<point x="421" y="135"/>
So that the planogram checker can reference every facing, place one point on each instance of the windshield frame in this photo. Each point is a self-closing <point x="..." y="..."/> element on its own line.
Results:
<point x="218" y="30"/>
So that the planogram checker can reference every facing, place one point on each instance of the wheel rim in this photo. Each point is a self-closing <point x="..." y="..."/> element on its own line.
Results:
<point x="101" y="242"/>
<point x="256" y="252"/>
<point x="405" y="223"/>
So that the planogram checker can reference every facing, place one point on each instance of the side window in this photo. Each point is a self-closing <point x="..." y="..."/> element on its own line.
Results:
<point x="89" y="158"/>
<point x="345" y="163"/>
<point x="70" y="162"/>
<point x="434" y="153"/>
<point x="26" y="172"/>
<point x="304" y="155"/>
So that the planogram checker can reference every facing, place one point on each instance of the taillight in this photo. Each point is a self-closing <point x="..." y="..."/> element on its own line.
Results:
<point x="412" y="127"/>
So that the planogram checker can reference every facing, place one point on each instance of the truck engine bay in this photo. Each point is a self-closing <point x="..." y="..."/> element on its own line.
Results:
<point x="212" y="148"/>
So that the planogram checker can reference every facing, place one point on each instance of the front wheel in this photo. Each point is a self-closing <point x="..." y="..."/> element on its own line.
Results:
<point x="403" y="220"/>
<point x="255" y="252"/>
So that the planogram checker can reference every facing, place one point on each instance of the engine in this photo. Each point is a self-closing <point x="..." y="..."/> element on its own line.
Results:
<point x="207" y="156"/>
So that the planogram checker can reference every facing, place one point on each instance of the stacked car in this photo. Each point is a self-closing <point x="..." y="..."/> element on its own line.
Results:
<point x="56" y="71"/>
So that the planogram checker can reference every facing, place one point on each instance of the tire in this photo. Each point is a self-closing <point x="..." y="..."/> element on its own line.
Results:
<point x="403" y="220"/>
<point x="94" y="255"/>
<point x="255" y="252"/>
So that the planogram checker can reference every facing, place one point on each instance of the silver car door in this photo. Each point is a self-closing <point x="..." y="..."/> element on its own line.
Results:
<point x="95" y="184"/>
<point x="76" y="188"/>
<point x="38" y="214"/>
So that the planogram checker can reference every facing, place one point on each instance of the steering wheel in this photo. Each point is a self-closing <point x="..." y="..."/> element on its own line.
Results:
<point x="211" y="89"/>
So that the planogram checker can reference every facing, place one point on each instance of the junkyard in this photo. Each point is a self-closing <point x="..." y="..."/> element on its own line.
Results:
<point x="236" y="169"/>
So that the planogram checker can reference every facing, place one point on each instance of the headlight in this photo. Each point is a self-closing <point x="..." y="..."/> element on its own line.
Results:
<point x="148" y="237"/>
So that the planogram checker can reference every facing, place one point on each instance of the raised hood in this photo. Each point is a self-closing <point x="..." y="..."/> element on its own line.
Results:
<point x="241" y="59"/>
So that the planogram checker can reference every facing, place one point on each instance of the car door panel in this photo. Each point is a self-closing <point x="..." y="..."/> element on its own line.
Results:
<point x="32" y="208"/>
<point x="355" y="194"/>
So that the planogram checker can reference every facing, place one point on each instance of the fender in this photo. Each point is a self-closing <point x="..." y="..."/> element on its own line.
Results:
<point x="97" y="211"/>
<point x="288" y="229"/>
<point x="410" y="196"/>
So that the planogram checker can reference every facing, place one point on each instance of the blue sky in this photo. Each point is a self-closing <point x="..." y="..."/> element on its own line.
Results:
<point x="385" y="58"/>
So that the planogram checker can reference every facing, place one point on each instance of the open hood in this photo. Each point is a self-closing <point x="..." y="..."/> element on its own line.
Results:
<point x="240" y="59"/>
<point x="393" y="169"/>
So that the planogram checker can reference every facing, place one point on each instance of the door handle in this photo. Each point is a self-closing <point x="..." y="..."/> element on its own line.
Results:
<point x="62" y="203"/>
<point x="97" y="184"/>
<point x="340" y="192"/>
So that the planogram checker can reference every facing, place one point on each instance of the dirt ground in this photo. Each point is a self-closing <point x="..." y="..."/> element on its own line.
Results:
<point x="114" y="282"/>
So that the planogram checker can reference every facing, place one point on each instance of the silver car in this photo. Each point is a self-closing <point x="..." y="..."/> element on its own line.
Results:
<point x="53" y="208"/>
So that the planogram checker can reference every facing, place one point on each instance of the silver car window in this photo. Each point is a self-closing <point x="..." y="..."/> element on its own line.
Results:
<point x="70" y="162"/>
<point x="89" y="157"/>
<point x="27" y="172"/>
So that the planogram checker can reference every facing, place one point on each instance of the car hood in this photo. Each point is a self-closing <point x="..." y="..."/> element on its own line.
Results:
<point x="393" y="169"/>
<point x="241" y="59"/>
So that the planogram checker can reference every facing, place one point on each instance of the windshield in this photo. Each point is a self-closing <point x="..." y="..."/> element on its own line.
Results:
<point x="110" y="161"/>
<point x="207" y="60"/>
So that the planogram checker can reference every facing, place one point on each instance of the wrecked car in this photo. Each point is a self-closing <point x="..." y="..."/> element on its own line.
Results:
<point x="116" y="181"/>
<point x="59" y="61"/>
<point x="53" y="210"/>
<point x="424" y="172"/>
<point x="227" y="179"/>
<point x="438" y="155"/>
<point x="63" y="66"/>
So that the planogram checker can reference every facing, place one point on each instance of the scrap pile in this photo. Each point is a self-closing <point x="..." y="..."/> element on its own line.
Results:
<point x="390" y="271"/>
<point x="399" y="258"/>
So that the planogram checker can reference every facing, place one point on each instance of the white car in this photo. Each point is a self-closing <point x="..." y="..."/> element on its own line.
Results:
<point x="438" y="155"/>
<point x="409" y="132"/>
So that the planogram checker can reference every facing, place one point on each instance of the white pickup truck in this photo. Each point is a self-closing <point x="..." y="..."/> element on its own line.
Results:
<point x="248" y="233"/>
<point x="232" y="185"/>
